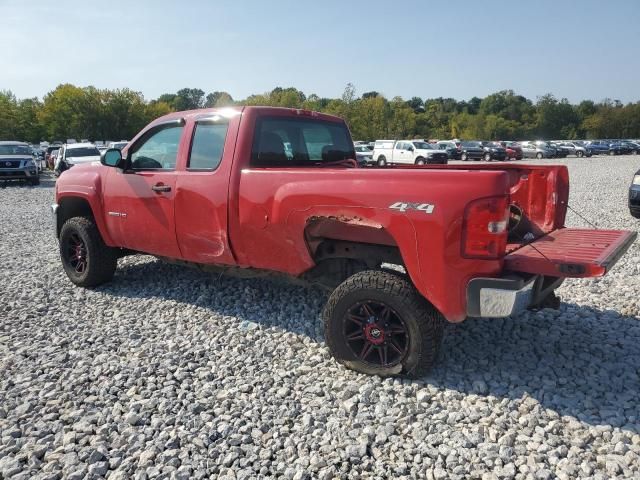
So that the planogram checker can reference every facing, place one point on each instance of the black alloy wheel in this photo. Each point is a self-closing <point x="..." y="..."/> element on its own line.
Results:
<point x="75" y="251"/>
<point x="376" y="334"/>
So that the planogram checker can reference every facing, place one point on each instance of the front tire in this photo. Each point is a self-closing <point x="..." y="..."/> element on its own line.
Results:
<point x="377" y="323"/>
<point x="539" y="155"/>
<point x="420" y="161"/>
<point x="34" y="181"/>
<point x="464" y="157"/>
<point x="87" y="261"/>
<point x="487" y="157"/>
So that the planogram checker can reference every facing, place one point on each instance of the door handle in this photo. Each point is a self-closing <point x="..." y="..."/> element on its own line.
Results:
<point x="159" y="187"/>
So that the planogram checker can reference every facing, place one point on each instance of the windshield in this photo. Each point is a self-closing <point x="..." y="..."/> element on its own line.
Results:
<point x="422" y="146"/>
<point x="14" y="150"/>
<point x="82" y="152"/>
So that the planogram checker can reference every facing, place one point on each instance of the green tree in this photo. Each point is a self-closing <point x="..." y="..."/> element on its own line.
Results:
<point x="188" y="99"/>
<point x="218" y="99"/>
<point x="8" y="116"/>
<point x="29" y="127"/>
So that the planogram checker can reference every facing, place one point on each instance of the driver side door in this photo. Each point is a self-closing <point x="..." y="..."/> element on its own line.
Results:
<point x="139" y="201"/>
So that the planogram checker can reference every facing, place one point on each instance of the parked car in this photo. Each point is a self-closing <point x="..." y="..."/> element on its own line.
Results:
<point x="620" y="148"/>
<point x="364" y="155"/>
<point x="412" y="152"/>
<point x="561" y="150"/>
<point x="634" y="196"/>
<point x="453" y="149"/>
<point x="576" y="149"/>
<point x="633" y="147"/>
<point x="493" y="151"/>
<point x="471" y="150"/>
<point x="17" y="162"/>
<point x="119" y="145"/>
<point x="513" y="149"/>
<point x="536" y="150"/>
<point x="74" y="154"/>
<point x="50" y="154"/>
<point x="599" y="147"/>
<point x="233" y="198"/>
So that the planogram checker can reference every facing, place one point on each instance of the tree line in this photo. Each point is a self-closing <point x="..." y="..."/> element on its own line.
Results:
<point x="69" y="111"/>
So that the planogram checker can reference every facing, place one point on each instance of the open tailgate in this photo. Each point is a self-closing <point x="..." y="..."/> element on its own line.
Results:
<point x="571" y="252"/>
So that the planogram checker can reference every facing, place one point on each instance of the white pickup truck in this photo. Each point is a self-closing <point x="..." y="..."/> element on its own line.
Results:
<point x="412" y="152"/>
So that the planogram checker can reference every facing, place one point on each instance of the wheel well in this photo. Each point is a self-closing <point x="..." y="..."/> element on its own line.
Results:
<point x="341" y="248"/>
<point x="70" y="207"/>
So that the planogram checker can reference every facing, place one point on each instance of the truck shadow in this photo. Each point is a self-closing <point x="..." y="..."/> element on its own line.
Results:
<point x="576" y="361"/>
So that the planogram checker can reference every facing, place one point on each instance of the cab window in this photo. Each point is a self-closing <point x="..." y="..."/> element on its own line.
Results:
<point x="207" y="146"/>
<point x="158" y="151"/>
<point x="298" y="142"/>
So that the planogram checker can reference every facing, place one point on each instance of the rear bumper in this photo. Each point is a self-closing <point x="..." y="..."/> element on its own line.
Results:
<point x="510" y="295"/>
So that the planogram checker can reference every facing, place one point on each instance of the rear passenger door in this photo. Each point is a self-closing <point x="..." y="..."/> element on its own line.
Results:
<point x="202" y="189"/>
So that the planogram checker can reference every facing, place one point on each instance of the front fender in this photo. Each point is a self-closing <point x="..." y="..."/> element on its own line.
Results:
<point x="86" y="186"/>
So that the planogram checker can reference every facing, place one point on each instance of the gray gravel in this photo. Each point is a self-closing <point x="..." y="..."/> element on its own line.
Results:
<point x="169" y="373"/>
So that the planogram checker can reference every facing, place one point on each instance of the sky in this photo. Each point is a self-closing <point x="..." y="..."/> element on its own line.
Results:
<point x="575" y="49"/>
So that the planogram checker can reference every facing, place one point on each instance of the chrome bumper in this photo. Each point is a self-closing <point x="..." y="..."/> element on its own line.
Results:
<point x="500" y="297"/>
<point x="54" y="218"/>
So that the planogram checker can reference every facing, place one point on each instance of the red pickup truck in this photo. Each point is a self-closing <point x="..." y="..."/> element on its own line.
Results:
<point x="261" y="191"/>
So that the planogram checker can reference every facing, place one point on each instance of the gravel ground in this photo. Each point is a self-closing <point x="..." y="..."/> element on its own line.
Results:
<point x="169" y="373"/>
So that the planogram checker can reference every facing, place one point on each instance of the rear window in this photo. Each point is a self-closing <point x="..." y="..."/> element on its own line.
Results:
<point x="299" y="142"/>
<point x="470" y="144"/>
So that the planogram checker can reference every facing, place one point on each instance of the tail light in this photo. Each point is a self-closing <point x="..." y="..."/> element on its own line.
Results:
<point x="484" y="228"/>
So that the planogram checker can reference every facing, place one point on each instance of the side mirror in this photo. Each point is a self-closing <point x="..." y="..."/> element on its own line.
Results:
<point x="111" y="157"/>
<point x="410" y="149"/>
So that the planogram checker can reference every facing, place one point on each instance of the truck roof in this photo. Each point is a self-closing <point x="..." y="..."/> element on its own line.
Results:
<point x="232" y="111"/>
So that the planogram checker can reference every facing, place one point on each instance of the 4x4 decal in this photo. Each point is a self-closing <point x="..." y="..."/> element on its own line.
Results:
<point x="404" y="206"/>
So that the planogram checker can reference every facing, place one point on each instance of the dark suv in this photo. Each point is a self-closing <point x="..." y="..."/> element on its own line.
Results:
<point x="494" y="151"/>
<point x="471" y="150"/>
<point x="17" y="162"/>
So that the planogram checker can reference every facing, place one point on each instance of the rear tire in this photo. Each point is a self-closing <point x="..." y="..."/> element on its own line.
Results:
<point x="464" y="157"/>
<point x="87" y="261"/>
<point x="34" y="181"/>
<point x="487" y="157"/>
<point x="539" y="155"/>
<point x="382" y="161"/>
<point x="377" y="323"/>
<point x="580" y="153"/>
<point x="612" y="153"/>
